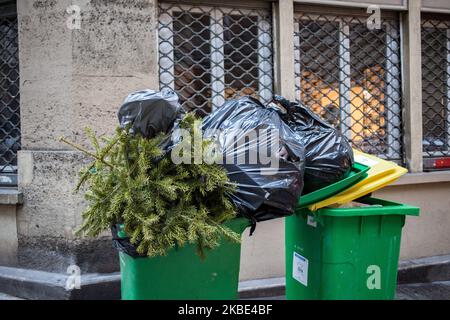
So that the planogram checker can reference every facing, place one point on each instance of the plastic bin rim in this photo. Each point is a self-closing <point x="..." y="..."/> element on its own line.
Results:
<point x="389" y="208"/>
<point x="357" y="173"/>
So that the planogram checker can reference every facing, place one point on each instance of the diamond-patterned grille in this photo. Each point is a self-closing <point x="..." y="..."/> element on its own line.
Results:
<point x="350" y="75"/>
<point x="9" y="95"/>
<point x="209" y="53"/>
<point x="436" y="87"/>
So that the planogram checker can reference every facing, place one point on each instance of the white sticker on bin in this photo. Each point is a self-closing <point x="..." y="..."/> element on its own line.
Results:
<point x="300" y="269"/>
<point x="365" y="160"/>
<point x="311" y="221"/>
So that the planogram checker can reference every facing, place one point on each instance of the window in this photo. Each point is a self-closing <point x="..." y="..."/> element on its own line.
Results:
<point x="210" y="53"/>
<point x="435" y="88"/>
<point x="9" y="95"/>
<point x="350" y="75"/>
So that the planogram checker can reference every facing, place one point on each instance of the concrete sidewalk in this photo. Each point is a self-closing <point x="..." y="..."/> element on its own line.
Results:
<point x="417" y="291"/>
<point x="418" y="279"/>
<point x="439" y="290"/>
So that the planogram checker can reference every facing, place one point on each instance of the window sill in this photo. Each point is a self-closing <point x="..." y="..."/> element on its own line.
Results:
<point x="10" y="196"/>
<point x="423" y="177"/>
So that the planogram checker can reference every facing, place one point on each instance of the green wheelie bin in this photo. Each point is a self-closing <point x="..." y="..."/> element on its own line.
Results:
<point x="345" y="253"/>
<point x="342" y="248"/>
<point x="182" y="274"/>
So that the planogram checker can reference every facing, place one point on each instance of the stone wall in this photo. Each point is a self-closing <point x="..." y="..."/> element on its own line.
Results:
<point x="71" y="79"/>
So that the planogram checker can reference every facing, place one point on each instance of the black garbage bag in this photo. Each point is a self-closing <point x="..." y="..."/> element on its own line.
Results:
<point x="150" y="112"/>
<point x="262" y="156"/>
<point x="328" y="153"/>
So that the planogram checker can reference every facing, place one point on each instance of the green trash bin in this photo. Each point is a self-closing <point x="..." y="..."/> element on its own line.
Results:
<point x="181" y="274"/>
<point x="345" y="253"/>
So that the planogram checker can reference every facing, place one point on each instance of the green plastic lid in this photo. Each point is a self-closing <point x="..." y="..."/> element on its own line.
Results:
<point x="357" y="173"/>
<point x="380" y="174"/>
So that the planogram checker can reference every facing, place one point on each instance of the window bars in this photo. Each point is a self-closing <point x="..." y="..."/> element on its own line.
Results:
<point x="210" y="53"/>
<point x="436" y="87"/>
<point x="9" y="96"/>
<point x="350" y="75"/>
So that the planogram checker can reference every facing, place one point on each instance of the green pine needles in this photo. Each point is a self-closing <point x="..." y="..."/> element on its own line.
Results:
<point x="161" y="204"/>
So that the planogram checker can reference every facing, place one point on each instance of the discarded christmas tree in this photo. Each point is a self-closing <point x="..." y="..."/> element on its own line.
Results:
<point x="161" y="204"/>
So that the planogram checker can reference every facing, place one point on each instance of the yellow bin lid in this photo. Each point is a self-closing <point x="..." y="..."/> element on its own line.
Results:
<point x="380" y="174"/>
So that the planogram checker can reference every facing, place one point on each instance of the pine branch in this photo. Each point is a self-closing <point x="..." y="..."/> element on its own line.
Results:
<point x="160" y="204"/>
<point x="85" y="151"/>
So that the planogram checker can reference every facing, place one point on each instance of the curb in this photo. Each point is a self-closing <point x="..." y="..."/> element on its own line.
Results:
<point x="42" y="285"/>
<point x="36" y="284"/>
<point x="424" y="270"/>
<point x="261" y="288"/>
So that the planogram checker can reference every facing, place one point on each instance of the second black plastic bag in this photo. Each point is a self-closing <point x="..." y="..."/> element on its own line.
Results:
<point x="328" y="154"/>
<point x="262" y="156"/>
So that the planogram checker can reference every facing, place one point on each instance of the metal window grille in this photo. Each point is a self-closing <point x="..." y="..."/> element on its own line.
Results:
<point x="350" y="75"/>
<point x="210" y="53"/>
<point x="9" y="96"/>
<point x="436" y="86"/>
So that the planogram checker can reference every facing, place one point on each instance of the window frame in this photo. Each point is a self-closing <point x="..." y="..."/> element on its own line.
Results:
<point x="393" y="101"/>
<point x="8" y="172"/>
<point x="446" y="26"/>
<point x="218" y="83"/>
